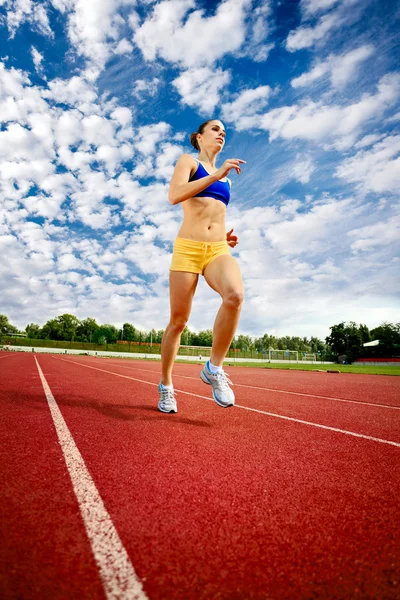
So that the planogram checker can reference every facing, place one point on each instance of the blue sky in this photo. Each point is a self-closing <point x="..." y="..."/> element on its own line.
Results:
<point x="97" y="101"/>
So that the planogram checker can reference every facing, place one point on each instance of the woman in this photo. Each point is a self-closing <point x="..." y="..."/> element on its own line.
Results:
<point x="202" y="248"/>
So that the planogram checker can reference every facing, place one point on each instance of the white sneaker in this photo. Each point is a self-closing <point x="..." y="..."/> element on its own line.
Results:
<point x="167" y="402"/>
<point x="222" y="393"/>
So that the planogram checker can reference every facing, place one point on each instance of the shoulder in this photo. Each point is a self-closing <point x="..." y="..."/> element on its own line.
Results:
<point x="187" y="160"/>
<point x="186" y="166"/>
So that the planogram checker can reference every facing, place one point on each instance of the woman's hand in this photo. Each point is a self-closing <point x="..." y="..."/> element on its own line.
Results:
<point x="232" y="240"/>
<point x="230" y="163"/>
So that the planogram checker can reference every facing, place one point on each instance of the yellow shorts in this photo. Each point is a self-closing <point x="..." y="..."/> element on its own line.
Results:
<point x="193" y="257"/>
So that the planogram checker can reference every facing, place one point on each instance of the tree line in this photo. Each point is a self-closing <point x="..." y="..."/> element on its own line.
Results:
<point x="348" y="339"/>
<point x="68" y="327"/>
<point x="344" y="339"/>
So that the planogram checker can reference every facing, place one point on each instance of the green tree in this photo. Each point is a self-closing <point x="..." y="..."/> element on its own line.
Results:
<point x="186" y="337"/>
<point x="51" y="330"/>
<point x="6" y="326"/>
<point x="151" y="336"/>
<point x="33" y="331"/>
<point x="129" y="332"/>
<point x="140" y="336"/>
<point x="86" y="329"/>
<point x="68" y="326"/>
<point x="365" y="333"/>
<point x="4" y="323"/>
<point x="244" y="343"/>
<point x="266" y="343"/>
<point x="317" y="346"/>
<point x="160" y="334"/>
<point x="337" y="339"/>
<point x="262" y="344"/>
<point x="346" y="339"/>
<point x="106" y="334"/>
<point x="388" y="335"/>
<point x="205" y="338"/>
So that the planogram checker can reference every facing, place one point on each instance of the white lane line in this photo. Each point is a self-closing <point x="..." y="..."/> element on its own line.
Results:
<point x="254" y="387"/>
<point x="262" y="412"/>
<point x="8" y="355"/>
<point x="119" y="579"/>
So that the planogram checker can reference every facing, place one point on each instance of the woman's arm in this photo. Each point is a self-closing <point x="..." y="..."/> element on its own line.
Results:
<point x="182" y="189"/>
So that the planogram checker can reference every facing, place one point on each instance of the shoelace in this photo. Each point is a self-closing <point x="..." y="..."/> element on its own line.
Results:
<point x="168" y="396"/>
<point x="223" y="380"/>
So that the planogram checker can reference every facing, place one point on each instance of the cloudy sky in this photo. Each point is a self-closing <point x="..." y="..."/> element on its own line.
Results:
<point x="97" y="101"/>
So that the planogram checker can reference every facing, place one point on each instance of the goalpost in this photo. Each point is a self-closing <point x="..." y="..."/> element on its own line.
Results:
<point x="309" y="357"/>
<point x="283" y="355"/>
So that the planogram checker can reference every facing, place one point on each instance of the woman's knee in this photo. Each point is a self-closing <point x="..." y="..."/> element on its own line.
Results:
<point x="234" y="299"/>
<point x="178" y="323"/>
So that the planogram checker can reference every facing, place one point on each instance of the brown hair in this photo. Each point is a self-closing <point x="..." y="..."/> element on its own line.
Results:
<point x="193" y="136"/>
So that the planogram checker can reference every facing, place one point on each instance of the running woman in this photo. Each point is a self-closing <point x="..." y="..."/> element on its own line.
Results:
<point x="201" y="248"/>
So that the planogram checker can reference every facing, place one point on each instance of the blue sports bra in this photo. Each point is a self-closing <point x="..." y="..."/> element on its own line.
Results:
<point x="220" y="190"/>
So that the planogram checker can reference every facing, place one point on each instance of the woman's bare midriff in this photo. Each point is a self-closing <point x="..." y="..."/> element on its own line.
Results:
<point x="203" y="220"/>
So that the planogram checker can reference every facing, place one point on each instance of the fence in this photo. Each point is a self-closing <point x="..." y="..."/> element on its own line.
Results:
<point x="147" y="348"/>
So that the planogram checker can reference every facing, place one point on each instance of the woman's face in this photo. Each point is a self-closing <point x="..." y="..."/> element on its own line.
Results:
<point x="213" y="136"/>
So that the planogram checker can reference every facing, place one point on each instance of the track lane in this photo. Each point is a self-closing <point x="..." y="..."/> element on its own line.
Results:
<point x="351" y="386"/>
<point x="44" y="550"/>
<point x="213" y="504"/>
<point x="359" y="418"/>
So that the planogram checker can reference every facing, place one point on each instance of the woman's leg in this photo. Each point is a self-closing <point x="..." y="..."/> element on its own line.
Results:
<point x="223" y="275"/>
<point x="182" y="287"/>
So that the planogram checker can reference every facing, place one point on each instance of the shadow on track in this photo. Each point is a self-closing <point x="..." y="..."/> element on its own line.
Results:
<point x="123" y="412"/>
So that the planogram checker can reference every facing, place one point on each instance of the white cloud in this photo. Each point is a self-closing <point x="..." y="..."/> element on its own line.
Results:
<point x="200" y="88"/>
<point x="306" y="36"/>
<point x="375" y="236"/>
<point x="149" y="136"/>
<point x="342" y="15"/>
<point x="369" y="140"/>
<point x="123" y="47"/>
<point x="376" y="169"/>
<point x="314" y="121"/>
<point x="345" y="67"/>
<point x="256" y="47"/>
<point x="95" y="27"/>
<point x="20" y="11"/>
<point x="167" y="34"/>
<point x="63" y="148"/>
<point x="303" y="169"/>
<point x="146" y="86"/>
<point x="318" y="71"/>
<point x="18" y="98"/>
<point x="166" y="158"/>
<point x="247" y="103"/>
<point x="37" y="59"/>
<point x="74" y="92"/>
<point x="311" y="7"/>
<point x="341" y="69"/>
<point x="311" y="231"/>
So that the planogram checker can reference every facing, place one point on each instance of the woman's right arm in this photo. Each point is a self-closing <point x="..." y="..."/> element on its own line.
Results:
<point x="182" y="189"/>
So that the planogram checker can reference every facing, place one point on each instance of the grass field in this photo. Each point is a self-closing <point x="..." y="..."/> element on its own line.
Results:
<point x="367" y="369"/>
<point x="363" y="369"/>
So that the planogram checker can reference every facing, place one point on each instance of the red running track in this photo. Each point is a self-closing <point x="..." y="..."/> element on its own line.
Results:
<point x="286" y="500"/>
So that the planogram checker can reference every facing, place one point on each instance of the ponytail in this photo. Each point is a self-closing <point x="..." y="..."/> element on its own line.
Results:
<point x="193" y="136"/>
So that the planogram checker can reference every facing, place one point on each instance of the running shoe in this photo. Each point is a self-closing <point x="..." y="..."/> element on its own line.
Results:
<point x="222" y="393"/>
<point x="167" y="402"/>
